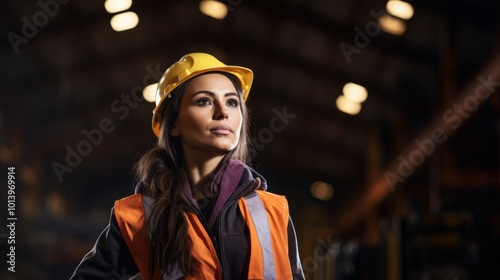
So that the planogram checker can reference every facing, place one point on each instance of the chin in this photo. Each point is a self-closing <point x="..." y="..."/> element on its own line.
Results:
<point x="224" y="148"/>
<point x="225" y="145"/>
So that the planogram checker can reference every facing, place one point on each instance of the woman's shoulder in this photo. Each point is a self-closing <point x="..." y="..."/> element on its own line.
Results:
<point x="272" y="199"/>
<point x="134" y="205"/>
<point x="270" y="195"/>
<point x="133" y="197"/>
<point x="131" y="201"/>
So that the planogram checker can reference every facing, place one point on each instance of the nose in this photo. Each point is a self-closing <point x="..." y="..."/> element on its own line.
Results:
<point x="221" y="111"/>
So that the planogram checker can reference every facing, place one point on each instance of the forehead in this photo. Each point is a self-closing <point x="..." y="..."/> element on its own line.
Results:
<point x="211" y="82"/>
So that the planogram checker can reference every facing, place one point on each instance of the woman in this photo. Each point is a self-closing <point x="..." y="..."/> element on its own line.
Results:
<point x="199" y="211"/>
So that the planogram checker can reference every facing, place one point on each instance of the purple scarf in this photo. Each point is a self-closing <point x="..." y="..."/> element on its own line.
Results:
<point x="224" y="183"/>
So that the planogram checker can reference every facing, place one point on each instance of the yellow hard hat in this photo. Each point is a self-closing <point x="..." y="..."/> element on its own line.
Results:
<point x="189" y="66"/>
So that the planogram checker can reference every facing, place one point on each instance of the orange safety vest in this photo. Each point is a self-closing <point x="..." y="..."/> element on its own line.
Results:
<point x="265" y="214"/>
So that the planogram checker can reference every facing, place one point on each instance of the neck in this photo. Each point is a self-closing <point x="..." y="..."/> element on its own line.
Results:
<point x="199" y="170"/>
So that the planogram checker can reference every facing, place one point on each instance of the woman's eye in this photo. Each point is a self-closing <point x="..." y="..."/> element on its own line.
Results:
<point x="233" y="102"/>
<point x="203" y="102"/>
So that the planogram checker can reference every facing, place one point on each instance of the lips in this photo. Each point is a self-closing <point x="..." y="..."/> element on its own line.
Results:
<point x="222" y="129"/>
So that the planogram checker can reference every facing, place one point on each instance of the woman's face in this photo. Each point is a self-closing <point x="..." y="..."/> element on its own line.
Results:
<point x="210" y="117"/>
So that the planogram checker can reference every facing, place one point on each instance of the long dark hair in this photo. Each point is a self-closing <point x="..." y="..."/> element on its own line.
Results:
<point x="161" y="171"/>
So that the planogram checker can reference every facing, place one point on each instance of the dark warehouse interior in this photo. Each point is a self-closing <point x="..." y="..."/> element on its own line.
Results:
<point x="408" y="188"/>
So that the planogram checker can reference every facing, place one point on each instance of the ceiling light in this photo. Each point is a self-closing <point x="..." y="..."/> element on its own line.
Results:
<point x="115" y="6"/>
<point x="28" y="175"/>
<point x="149" y="92"/>
<point x="392" y="25"/>
<point x="399" y="9"/>
<point x="124" y="21"/>
<point x="355" y="92"/>
<point x="213" y="9"/>
<point x="6" y="155"/>
<point x="322" y="190"/>
<point x="348" y="106"/>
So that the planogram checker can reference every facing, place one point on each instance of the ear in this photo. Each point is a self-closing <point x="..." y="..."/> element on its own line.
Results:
<point x="174" y="132"/>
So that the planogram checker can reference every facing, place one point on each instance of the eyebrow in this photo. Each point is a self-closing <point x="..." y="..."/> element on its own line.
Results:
<point x="213" y="94"/>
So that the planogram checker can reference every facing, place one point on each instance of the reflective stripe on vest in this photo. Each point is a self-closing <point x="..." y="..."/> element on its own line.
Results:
<point x="259" y="218"/>
<point x="275" y="208"/>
